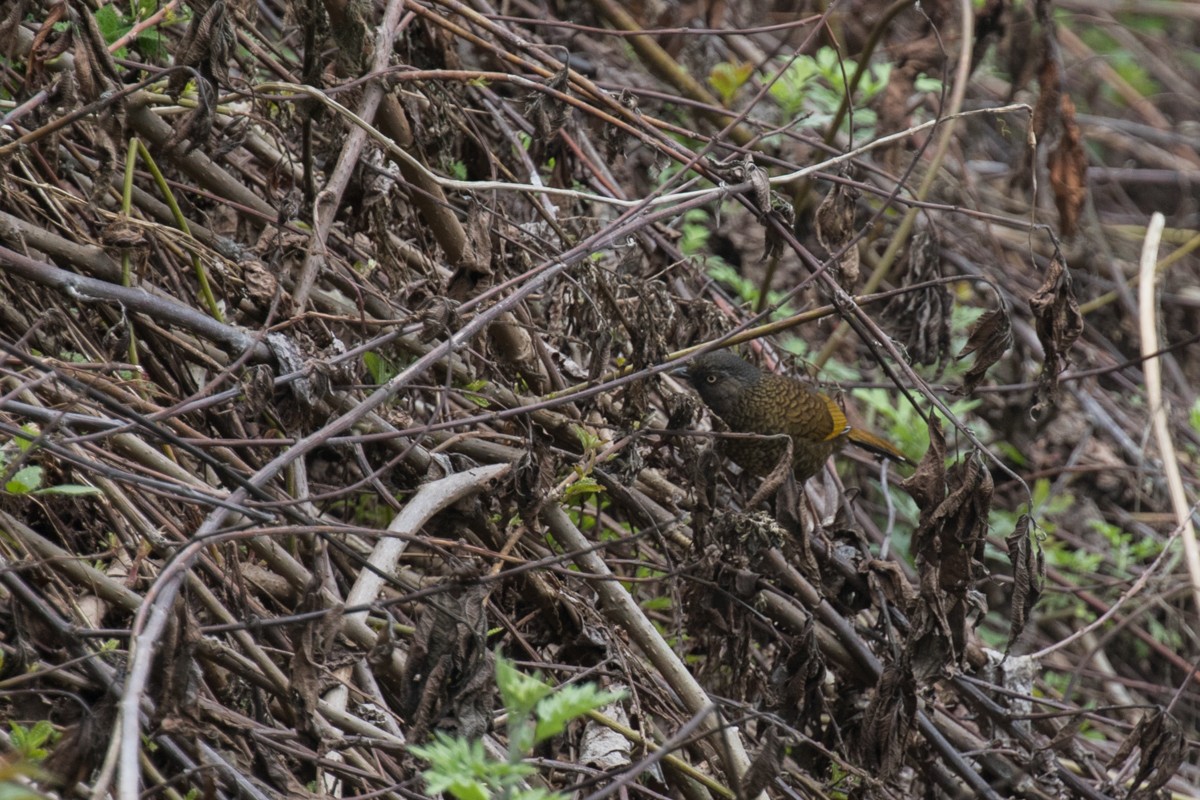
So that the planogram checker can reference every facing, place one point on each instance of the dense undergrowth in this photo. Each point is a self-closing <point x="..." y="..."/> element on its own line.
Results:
<point x="337" y="342"/>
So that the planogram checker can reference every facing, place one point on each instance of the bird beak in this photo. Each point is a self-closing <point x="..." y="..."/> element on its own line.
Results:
<point x="681" y="372"/>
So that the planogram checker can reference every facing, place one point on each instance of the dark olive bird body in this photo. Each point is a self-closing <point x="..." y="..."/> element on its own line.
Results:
<point x="752" y="401"/>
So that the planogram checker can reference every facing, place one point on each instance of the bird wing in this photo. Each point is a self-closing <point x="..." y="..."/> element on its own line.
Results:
<point x="837" y="417"/>
<point x="808" y="413"/>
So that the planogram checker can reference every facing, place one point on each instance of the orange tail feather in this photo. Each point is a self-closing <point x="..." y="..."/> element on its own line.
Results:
<point x="874" y="444"/>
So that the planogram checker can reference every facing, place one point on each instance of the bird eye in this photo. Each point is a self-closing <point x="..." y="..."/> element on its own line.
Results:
<point x="710" y="378"/>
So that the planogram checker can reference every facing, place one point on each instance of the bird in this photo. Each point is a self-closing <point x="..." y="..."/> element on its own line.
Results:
<point x="750" y="400"/>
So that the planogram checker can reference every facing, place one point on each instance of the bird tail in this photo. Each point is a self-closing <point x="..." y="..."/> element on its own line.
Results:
<point x="874" y="444"/>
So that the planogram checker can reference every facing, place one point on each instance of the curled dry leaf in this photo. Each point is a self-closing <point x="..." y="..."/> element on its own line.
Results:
<point x="1059" y="324"/>
<point x="207" y="45"/>
<point x="123" y="235"/>
<point x="989" y="341"/>
<point x="95" y="70"/>
<point x="1162" y="743"/>
<point x="549" y="113"/>
<point x="920" y="319"/>
<point x="765" y="767"/>
<point x="1029" y="576"/>
<point x="474" y="272"/>
<point x="261" y="284"/>
<point x="834" y="225"/>
<point x="1054" y="123"/>
<point x="1067" y="163"/>
<point x="798" y="678"/>
<point x="311" y="657"/>
<point x="603" y="748"/>
<point x="448" y="671"/>
<point x="927" y="485"/>
<point x="889" y="720"/>
<point x="948" y="550"/>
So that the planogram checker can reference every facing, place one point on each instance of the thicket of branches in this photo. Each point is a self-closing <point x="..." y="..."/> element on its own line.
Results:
<point x="337" y="342"/>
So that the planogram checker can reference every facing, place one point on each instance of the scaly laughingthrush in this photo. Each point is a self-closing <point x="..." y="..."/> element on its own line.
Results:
<point x="752" y="401"/>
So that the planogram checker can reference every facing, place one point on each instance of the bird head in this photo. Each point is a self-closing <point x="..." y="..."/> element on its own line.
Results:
<point x="719" y="377"/>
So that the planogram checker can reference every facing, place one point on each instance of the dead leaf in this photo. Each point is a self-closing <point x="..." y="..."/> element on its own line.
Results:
<point x="309" y="661"/>
<point x="178" y="674"/>
<point x="1029" y="576"/>
<point x="765" y="767"/>
<point x="888" y="720"/>
<point x="1163" y="746"/>
<point x="95" y="70"/>
<point x="1054" y="123"/>
<point x="474" y="271"/>
<point x="1049" y="90"/>
<point x="81" y="749"/>
<point x="207" y="46"/>
<point x="989" y="341"/>
<point x="447" y="675"/>
<point x="1059" y="324"/>
<point x="887" y="577"/>
<point x="927" y="485"/>
<point x="948" y="550"/>
<point x="920" y="319"/>
<point x="603" y="748"/>
<point x="798" y="677"/>
<point x="834" y="226"/>
<point x="1020" y="50"/>
<point x="1067" y="164"/>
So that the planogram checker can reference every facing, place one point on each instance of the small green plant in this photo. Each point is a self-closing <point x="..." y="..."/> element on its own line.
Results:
<point x="1125" y="63"/>
<point x="381" y="368"/>
<point x="536" y="712"/>
<point x="29" y="479"/>
<point x="902" y="424"/>
<point x="114" y="22"/>
<point x="582" y="490"/>
<point x="30" y="743"/>
<point x="473" y="391"/>
<point x="815" y="85"/>
<point x="1124" y="548"/>
<point x="728" y="77"/>
<point x="696" y="232"/>
<point x="791" y="89"/>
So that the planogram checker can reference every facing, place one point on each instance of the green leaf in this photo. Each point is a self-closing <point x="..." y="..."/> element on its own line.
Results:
<point x="381" y="368"/>
<point x="111" y="23"/>
<point x="70" y="490"/>
<point x="587" y="439"/>
<point x="462" y="769"/>
<point x="924" y="83"/>
<point x="113" y="26"/>
<point x="583" y="489"/>
<point x="473" y="390"/>
<point x="520" y="692"/>
<point x="657" y="604"/>
<point x="726" y="78"/>
<point x="569" y="703"/>
<point x="30" y="742"/>
<point x="25" y="481"/>
<point x="10" y="790"/>
<point x="791" y="88"/>
<point x="538" y="793"/>
<point x="24" y="444"/>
